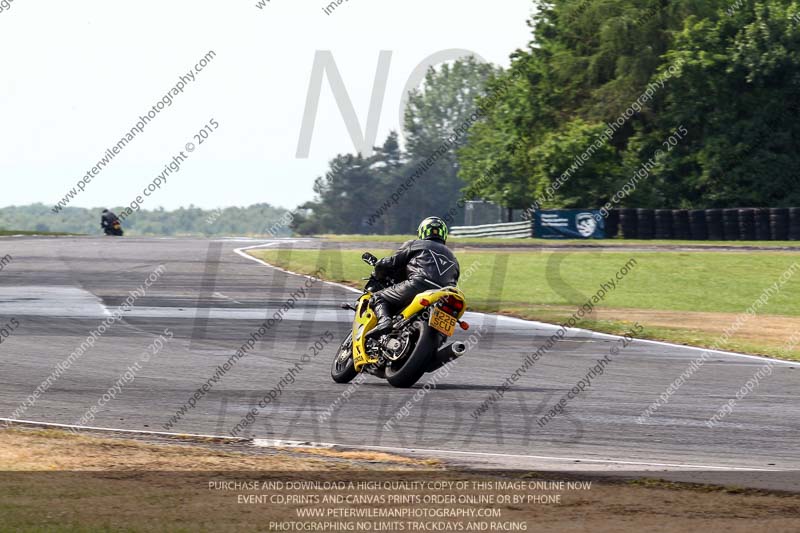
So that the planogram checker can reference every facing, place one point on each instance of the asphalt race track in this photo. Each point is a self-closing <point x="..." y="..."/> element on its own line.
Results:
<point x="211" y="299"/>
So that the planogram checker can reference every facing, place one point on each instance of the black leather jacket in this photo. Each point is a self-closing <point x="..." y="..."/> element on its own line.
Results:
<point x="429" y="259"/>
<point x="108" y="219"/>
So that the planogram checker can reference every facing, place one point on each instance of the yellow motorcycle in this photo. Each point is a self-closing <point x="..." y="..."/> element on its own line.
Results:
<point x="415" y="343"/>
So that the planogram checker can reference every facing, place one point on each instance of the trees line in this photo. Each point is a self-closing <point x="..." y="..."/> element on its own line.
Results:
<point x="257" y="219"/>
<point x="600" y="88"/>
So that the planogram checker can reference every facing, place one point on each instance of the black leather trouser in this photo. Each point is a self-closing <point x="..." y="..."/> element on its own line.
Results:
<point x="394" y="298"/>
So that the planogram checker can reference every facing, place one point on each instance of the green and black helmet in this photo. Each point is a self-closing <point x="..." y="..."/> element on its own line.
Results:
<point x="433" y="228"/>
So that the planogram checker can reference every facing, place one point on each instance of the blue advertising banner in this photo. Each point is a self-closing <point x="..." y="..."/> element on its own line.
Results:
<point x="569" y="224"/>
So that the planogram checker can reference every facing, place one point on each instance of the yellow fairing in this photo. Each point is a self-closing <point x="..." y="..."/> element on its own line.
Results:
<point x="434" y="296"/>
<point x="365" y="320"/>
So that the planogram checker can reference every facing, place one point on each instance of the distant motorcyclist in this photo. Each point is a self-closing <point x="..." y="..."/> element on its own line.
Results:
<point x="413" y="267"/>
<point x="107" y="220"/>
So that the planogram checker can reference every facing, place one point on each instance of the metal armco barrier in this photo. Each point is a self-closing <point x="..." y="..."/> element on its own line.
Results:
<point x="511" y="230"/>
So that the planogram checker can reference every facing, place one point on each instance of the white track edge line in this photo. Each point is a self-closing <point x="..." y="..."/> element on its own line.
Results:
<point x="256" y="259"/>
<point x="240" y="252"/>
<point x="546" y="457"/>
<point x="308" y="444"/>
<point x="12" y="421"/>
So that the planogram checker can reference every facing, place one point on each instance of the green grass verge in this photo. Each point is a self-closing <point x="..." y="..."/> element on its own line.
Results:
<point x="551" y="285"/>
<point x="569" y="242"/>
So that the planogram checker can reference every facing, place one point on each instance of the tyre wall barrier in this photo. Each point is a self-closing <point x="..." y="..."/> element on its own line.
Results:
<point x="779" y="223"/>
<point x="646" y="223"/>
<point x="730" y="224"/>
<point x="763" y="225"/>
<point x="612" y="223"/>
<point x="628" y="223"/>
<point x="794" y="224"/>
<point x="714" y="224"/>
<point x="680" y="224"/>
<point x="747" y="224"/>
<point x="663" y="224"/>
<point x="698" y="229"/>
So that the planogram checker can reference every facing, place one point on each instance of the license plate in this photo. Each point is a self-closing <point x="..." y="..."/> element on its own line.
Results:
<point x="442" y="322"/>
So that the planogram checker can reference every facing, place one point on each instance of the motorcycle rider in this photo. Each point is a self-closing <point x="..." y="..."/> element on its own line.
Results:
<point x="413" y="267"/>
<point x="107" y="220"/>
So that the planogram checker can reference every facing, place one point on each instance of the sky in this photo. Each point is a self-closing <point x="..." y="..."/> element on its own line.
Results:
<point x="77" y="76"/>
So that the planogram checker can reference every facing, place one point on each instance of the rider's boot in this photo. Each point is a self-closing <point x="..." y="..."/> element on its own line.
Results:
<point x="384" y="317"/>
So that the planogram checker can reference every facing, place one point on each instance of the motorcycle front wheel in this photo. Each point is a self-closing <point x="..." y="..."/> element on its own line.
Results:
<point x="342" y="368"/>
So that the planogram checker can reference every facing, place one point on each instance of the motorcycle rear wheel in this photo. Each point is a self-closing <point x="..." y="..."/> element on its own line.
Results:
<point x="413" y="367"/>
<point x="342" y="368"/>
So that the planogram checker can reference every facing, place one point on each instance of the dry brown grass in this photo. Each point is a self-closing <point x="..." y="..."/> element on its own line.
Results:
<point x="33" y="450"/>
<point x="130" y="485"/>
<point x="760" y="334"/>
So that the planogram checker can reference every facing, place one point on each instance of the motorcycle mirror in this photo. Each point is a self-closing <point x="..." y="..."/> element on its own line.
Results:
<point x="369" y="259"/>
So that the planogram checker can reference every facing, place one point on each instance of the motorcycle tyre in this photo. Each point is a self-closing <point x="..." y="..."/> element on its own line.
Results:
<point x="416" y="363"/>
<point x="343" y="373"/>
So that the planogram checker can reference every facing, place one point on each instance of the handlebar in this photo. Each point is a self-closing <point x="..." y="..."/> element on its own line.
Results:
<point x="369" y="259"/>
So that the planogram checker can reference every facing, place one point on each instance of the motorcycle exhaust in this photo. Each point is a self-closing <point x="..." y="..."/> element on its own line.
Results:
<point x="446" y="354"/>
<point x="452" y="351"/>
